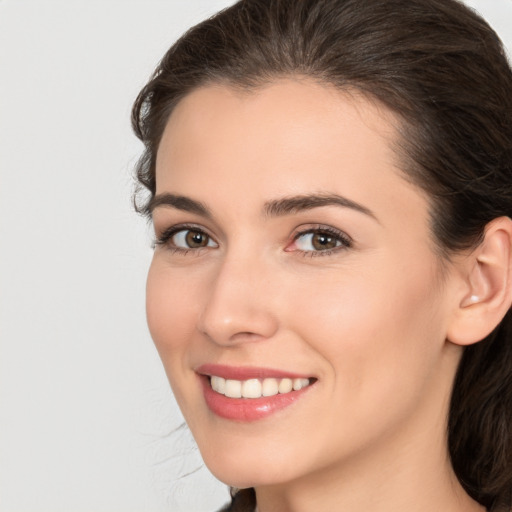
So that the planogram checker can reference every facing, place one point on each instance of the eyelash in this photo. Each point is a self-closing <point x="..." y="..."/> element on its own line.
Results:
<point x="344" y="240"/>
<point x="165" y="238"/>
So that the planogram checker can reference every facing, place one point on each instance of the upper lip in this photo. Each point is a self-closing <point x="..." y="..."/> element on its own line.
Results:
<point x="246" y="372"/>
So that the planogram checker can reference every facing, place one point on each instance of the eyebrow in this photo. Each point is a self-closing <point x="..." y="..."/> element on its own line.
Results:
<point x="274" y="208"/>
<point x="295" y="204"/>
<point x="183" y="203"/>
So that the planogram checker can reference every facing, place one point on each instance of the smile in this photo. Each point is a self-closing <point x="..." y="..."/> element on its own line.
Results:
<point x="256" y="388"/>
<point x="246" y="394"/>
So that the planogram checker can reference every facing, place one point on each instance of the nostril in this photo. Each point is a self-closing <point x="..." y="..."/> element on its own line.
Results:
<point x="242" y="326"/>
<point x="247" y="336"/>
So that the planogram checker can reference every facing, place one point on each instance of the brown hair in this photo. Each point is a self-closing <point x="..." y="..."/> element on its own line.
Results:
<point x="443" y="71"/>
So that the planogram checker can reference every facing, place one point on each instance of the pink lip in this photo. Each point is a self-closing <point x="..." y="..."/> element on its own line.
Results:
<point x="246" y="372"/>
<point x="246" y="409"/>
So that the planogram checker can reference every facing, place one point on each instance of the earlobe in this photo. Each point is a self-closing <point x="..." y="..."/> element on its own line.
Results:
<point x="480" y="279"/>
<point x="473" y="299"/>
<point x="488" y="294"/>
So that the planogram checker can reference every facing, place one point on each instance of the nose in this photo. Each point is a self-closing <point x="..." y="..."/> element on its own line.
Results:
<point x="238" y="307"/>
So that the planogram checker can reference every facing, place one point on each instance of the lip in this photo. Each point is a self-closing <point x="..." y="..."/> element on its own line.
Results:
<point x="247" y="409"/>
<point x="247" y="372"/>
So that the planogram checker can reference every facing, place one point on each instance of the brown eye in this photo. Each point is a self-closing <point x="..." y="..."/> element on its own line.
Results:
<point x="191" y="239"/>
<point x="195" y="239"/>
<point x="323" y="241"/>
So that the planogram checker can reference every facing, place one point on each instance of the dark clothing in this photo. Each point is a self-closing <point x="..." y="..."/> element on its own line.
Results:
<point x="242" y="500"/>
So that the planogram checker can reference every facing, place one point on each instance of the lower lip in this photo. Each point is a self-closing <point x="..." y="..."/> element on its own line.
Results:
<point x="247" y="409"/>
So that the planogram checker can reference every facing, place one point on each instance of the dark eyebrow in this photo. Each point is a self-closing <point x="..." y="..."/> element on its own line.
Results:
<point x="274" y="208"/>
<point x="294" y="204"/>
<point x="179" y="202"/>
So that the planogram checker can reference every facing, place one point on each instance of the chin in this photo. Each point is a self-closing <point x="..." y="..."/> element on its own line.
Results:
<point x="240" y="471"/>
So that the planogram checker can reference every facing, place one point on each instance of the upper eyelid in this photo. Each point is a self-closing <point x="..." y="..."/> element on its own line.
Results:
<point x="183" y="226"/>
<point x="169" y="231"/>
<point x="164" y="223"/>
<point x="321" y="228"/>
<point x="166" y="234"/>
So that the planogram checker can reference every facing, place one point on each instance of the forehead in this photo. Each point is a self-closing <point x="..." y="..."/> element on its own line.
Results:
<point x="286" y="138"/>
<point x="300" y="106"/>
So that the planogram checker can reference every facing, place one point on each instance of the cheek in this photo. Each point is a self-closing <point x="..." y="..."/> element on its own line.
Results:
<point x="170" y="301"/>
<point x="171" y="307"/>
<point x="380" y="331"/>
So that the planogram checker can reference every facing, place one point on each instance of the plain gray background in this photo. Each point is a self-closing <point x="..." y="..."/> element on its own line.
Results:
<point x="86" y="416"/>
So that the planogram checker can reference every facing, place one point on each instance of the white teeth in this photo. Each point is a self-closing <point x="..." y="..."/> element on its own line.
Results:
<point x="298" y="384"/>
<point x="218" y="384"/>
<point x="270" y="387"/>
<point x="285" y="386"/>
<point x="233" y="389"/>
<point x="251" y="388"/>
<point x="255" y="388"/>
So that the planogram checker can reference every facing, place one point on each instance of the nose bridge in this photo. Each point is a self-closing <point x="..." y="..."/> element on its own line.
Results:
<point x="237" y="307"/>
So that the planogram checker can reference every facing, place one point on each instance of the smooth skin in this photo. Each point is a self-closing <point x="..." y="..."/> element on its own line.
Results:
<point x="353" y="294"/>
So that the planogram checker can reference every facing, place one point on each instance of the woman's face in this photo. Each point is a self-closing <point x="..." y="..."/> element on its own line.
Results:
<point x="290" y="247"/>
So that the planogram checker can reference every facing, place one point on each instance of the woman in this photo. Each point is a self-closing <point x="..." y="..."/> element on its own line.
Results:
<point x="330" y="187"/>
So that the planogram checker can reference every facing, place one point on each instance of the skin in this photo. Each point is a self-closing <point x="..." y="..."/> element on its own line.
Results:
<point x="368" y="320"/>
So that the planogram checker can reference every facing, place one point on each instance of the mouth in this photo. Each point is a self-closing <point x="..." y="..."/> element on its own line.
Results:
<point x="256" y="388"/>
<point x="249" y="394"/>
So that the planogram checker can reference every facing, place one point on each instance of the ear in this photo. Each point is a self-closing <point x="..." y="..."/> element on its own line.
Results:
<point x="486" y="295"/>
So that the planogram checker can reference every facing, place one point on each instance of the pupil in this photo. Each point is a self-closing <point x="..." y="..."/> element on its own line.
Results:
<point x="323" y="241"/>
<point x="196" y="239"/>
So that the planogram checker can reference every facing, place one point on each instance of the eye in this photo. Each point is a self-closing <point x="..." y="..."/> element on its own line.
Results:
<point x="321" y="240"/>
<point x="185" y="239"/>
<point x="191" y="239"/>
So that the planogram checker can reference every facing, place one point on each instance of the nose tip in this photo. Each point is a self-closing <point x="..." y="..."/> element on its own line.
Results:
<point x="224" y="330"/>
<point x="238" y="309"/>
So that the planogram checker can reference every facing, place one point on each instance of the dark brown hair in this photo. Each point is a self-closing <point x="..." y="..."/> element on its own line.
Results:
<point x="443" y="71"/>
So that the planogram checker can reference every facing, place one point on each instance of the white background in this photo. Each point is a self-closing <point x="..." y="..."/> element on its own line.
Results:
<point x="87" y="422"/>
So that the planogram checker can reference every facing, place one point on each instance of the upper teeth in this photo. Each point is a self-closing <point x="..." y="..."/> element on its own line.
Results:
<point x="255" y="388"/>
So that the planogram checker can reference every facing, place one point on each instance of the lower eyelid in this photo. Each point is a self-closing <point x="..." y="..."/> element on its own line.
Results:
<point x="317" y="254"/>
